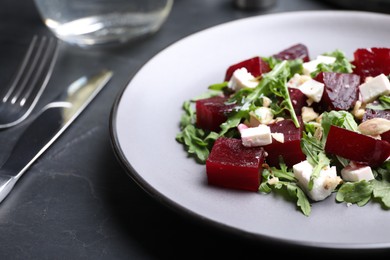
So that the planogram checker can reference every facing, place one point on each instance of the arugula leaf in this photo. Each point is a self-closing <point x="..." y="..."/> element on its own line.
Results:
<point x="355" y="192"/>
<point x="383" y="172"/>
<point x="311" y="147"/>
<point x="218" y="86"/>
<point x="341" y="65"/>
<point x="189" y="116"/>
<point x="197" y="141"/>
<point x="274" y="178"/>
<point x="273" y="82"/>
<point x="302" y="201"/>
<point x="208" y="94"/>
<point x="384" y="103"/>
<point x="381" y="190"/>
<point x="322" y="161"/>
<point x="283" y="173"/>
<point x="315" y="155"/>
<point x="295" y="66"/>
<point x="382" y="184"/>
<point x="342" y="119"/>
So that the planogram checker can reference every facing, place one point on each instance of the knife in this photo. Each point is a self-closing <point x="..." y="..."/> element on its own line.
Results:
<point x="48" y="125"/>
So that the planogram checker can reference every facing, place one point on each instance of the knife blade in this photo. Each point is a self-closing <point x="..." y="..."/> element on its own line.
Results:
<point x="51" y="121"/>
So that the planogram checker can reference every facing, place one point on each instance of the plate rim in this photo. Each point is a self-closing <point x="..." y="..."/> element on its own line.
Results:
<point x="194" y="216"/>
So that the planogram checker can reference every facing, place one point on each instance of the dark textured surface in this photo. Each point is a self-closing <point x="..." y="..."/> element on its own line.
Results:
<point x="76" y="201"/>
<point x="382" y="6"/>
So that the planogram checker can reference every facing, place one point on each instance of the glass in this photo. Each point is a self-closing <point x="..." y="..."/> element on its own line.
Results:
<point x="254" y="4"/>
<point x="103" y="22"/>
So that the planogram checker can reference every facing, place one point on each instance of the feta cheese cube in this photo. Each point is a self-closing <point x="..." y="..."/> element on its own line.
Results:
<point x="297" y="80"/>
<point x="311" y="66"/>
<point x="241" y="78"/>
<point x="374" y="87"/>
<point x="312" y="89"/>
<point x="356" y="172"/>
<point x="264" y="115"/>
<point x="302" y="171"/>
<point x="323" y="185"/>
<point x="255" y="136"/>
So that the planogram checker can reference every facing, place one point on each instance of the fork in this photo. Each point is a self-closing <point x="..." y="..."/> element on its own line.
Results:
<point x="19" y="98"/>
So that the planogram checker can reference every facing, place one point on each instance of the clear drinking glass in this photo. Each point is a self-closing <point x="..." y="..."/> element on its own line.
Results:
<point x="103" y="22"/>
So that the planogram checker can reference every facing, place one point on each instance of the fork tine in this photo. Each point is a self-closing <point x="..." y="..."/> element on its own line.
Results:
<point x="42" y="73"/>
<point x="21" y="69"/>
<point x="29" y="82"/>
<point x="25" y="80"/>
<point x="35" y="66"/>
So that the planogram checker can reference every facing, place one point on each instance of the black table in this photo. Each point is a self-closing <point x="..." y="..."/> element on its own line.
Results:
<point x="77" y="201"/>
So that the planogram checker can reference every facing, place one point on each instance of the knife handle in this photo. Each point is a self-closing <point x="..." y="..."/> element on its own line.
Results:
<point x="31" y="144"/>
<point x="34" y="141"/>
<point x="6" y="184"/>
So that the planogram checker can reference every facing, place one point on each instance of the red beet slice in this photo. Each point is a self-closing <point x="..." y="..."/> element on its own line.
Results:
<point x="232" y="165"/>
<point x="340" y="91"/>
<point x="290" y="150"/>
<point x="386" y="136"/>
<point x="212" y="112"/>
<point x="256" y="66"/>
<point x="371" y="62"/>
<point x="373" y="113"/>
<point x="298" y="100"/>
<point x="356" y="147"/>
<point x="297" y="51"/>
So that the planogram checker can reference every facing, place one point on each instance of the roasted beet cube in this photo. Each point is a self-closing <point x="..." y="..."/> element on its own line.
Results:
<point x="356" y="147"/>
<point x="298" y="51"/>
<point x="290" y="150"/>
<point x="212" y="112"/>
<point x="373" y="113"/>
<point x="232" y="165"/>
<point x="371" y="62"/>
<point x="386" y="136"/>
<point x="288" y="128"/>
<point x="298" y="100"/>
<point x="340" y="91"/>
<point x="256" y="66"/>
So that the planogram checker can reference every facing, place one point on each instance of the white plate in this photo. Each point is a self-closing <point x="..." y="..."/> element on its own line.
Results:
<point x="145" y="121"/>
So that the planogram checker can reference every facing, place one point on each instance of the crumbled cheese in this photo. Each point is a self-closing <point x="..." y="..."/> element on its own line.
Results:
<point x="323" y="185"/>
<point x="264" y="115"/>
<point x="255" y="136"/>
<point x="368" y="78"/>
<point x="273" y="180"/>
<point x="311" y="66"/>
<point x="354" y="172"/>
<point x="266" y="101"/>
<point x="297" y="80"/>
<point x="241" y="78"/>
<point x="308" y="114"/>
<point x="312" y="89"/>
<point x="278" y="137"/>
<point x="373" y="88"/>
